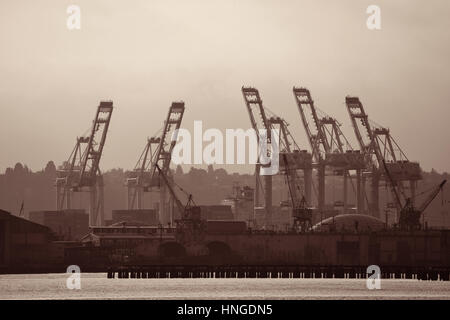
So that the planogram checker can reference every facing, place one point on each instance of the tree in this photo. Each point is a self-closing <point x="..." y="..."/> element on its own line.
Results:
<point x="221" y="173"/>
<point x="179" y="170"/>
<point x="197" y="175"/>
<point x="18" y="168"/>
<point x="9" y="171"/>
<point x="50" y="168"/>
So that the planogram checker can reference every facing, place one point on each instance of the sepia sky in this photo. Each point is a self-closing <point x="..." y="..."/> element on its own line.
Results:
<point x="145" y="54"/>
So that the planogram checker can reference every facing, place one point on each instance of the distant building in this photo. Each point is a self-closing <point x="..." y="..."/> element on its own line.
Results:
<point x="118" y="243"/>
<point x="71" y="224"/>
<point x="216" y="212"/>
<point x="211" y="212"/>
<point x="241" y="202"/>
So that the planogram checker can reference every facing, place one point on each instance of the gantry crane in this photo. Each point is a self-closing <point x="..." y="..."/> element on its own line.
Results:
<point x="343" y="158"/>
<point x="139" y="180"/>
<point x="296" y="159"/>
<point x="190" y="211"/>
<point x="301" y="213"/>
<point x="158" y="151"/>
<point x="190" y="225"/>
<point x="292" y="159"/>
<point x="409" y="217"/>
<point x="315" y="133"/>
<point x="329" y="147"/>
<point x="82" y="172"/>
<point x="378" y="147"/>
<point x="259" y="122"/>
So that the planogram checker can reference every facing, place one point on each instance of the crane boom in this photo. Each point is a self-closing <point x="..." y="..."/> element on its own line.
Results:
<point x="364" y="135"/>
<point x="189" y="213"/>
<point x="180" y="207"/>
<point x="168" y="138"/>
<point x="91" y="160"/>
<point x="392" y="185"/>
<point x="431" y="197"/>
<point x="315" y="133"/>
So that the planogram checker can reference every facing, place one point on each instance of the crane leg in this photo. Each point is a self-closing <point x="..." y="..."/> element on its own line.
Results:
<point x="139" y="196"/>
<point x="412" y="186"/>
<point x="162" y="205"/>
<point x="321" y="178"/>
<point x="100" y="206"/>
<point x="257" y="185"/>
<point x="308" y="185"/>
<point x="268" y="199"/>
<point x="92" y="206"/>
<point x="344" y="200"/>
<point x="130" y="191"/>
<point x="59" y="197"/>
<point x="359" y="202"/>
<point x="375" y="195"/>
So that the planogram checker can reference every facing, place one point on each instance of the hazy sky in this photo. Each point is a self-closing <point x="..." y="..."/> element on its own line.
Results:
<point x="145" y="54"/>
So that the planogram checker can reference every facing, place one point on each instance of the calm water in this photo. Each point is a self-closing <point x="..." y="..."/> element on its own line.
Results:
<point x="97" y="286"/>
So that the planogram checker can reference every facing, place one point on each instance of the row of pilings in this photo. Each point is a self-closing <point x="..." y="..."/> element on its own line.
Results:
<point x="264" y="272"/>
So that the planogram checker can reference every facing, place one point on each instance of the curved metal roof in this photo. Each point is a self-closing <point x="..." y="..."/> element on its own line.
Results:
<point x="350" y="222"/>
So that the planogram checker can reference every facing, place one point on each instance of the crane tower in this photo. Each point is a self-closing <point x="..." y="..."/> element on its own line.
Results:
<point x="381" y="151"/>
<point x="260" y="121"/>
<point x="81" y="172"/>
<point x="290" y="158"/>
<point x="158" y="151"/>
<point x="329" y="147"/>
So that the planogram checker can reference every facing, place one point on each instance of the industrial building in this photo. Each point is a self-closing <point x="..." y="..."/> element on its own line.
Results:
<point x="24" y="245"/>
<point x="216" y="212"/>
<point x="69" y="224"/>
